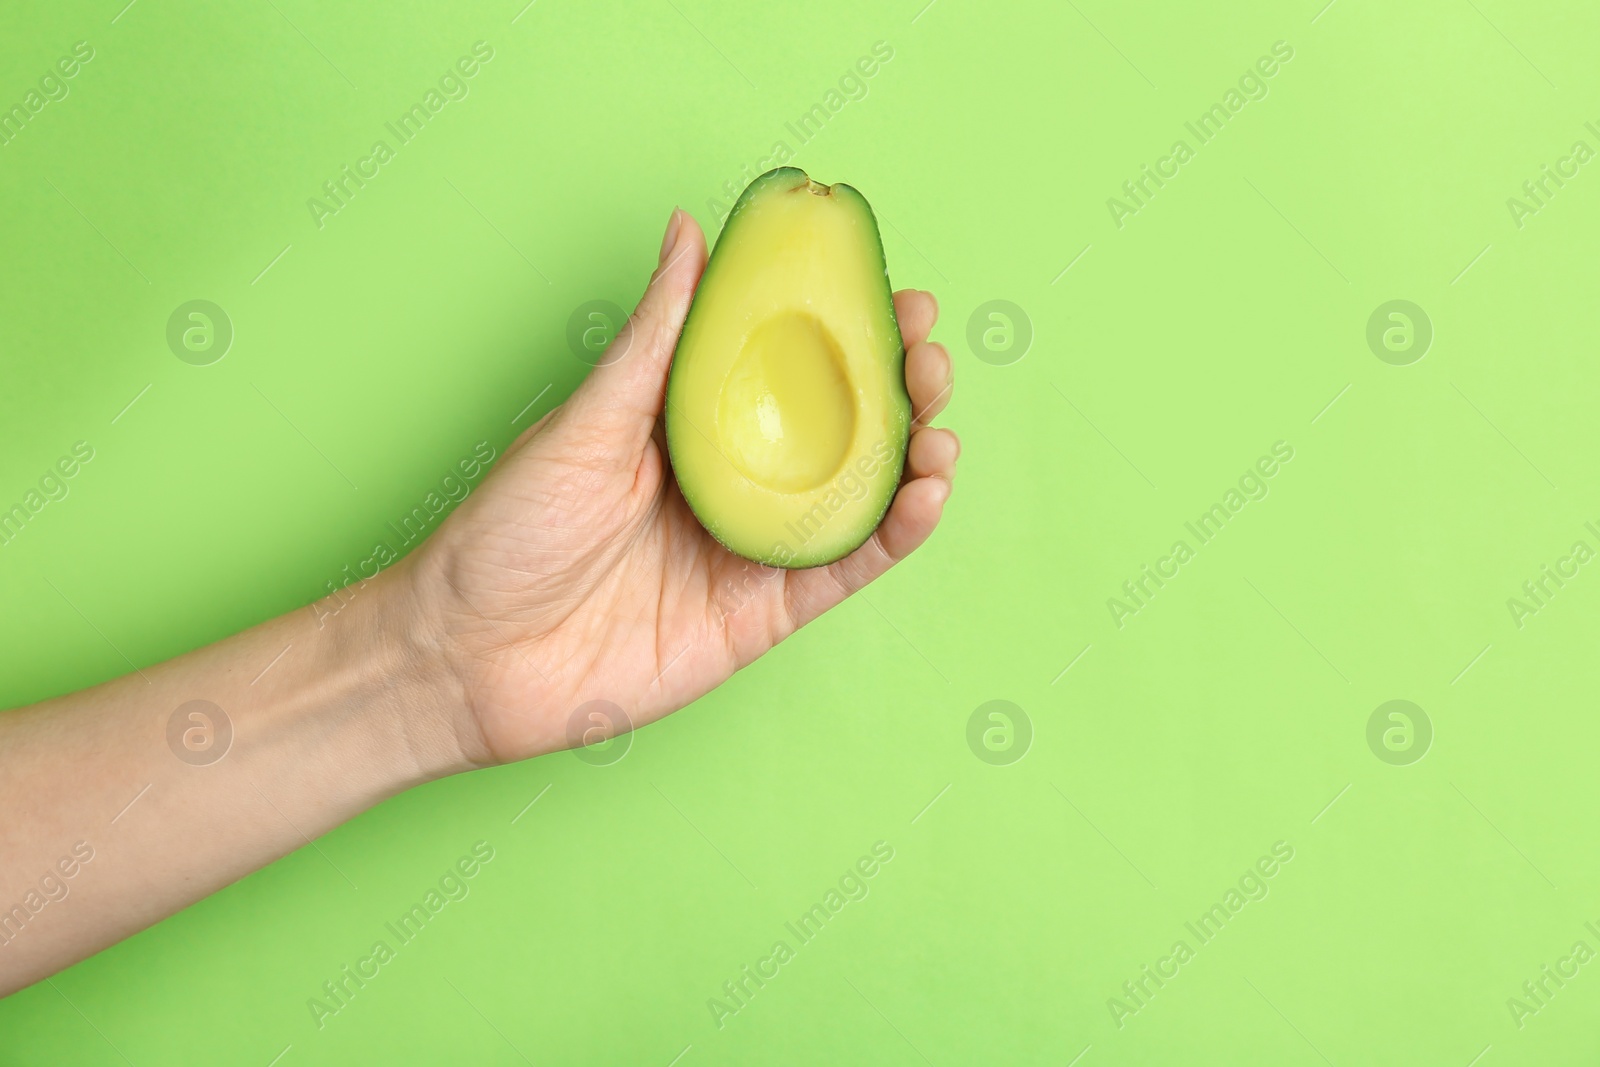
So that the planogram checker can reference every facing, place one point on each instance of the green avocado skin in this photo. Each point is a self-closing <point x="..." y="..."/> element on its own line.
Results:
<point x="779" y="180"/>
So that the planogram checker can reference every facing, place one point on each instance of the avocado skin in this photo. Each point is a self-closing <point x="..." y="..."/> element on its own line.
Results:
<point x="785" y="178"/>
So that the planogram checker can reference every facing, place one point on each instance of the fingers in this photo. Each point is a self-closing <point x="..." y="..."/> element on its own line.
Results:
<point x="930" y="467"/>
<point x="916" y="311"/>
<point x="621" y="399"/>
<point x="932" y="452"/>
<point x="929" y="379"/>
<point x="928" y="367"/>
<point x="912" y="517"/>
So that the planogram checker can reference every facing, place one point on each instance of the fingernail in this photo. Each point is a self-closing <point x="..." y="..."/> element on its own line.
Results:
<point x="674" y="224"/>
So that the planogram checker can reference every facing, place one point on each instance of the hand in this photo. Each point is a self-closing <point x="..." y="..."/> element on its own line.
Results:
<point x="577" y="572"/>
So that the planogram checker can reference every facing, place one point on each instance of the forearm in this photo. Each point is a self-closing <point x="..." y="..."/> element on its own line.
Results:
<point x="354" y="711"/>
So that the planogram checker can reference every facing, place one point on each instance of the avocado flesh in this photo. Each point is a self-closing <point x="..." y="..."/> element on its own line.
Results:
<point x="787" y="414"/>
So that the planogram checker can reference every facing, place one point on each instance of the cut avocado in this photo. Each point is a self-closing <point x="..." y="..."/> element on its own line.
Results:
<point x="787" y="414"/>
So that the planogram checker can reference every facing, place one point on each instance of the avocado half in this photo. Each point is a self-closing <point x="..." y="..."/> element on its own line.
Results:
<point x="787" y="413"/>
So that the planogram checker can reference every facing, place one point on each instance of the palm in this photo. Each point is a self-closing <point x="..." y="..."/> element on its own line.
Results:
<point x="577" y="572"/>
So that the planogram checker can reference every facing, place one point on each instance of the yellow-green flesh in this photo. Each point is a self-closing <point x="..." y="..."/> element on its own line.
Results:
<point x="787" y="414"/>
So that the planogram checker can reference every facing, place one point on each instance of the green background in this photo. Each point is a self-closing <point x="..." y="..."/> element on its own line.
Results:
<point x="1230" y="713"/>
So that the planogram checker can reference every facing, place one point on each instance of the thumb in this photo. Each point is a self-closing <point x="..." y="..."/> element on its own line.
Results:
<point x="623" y="396"/>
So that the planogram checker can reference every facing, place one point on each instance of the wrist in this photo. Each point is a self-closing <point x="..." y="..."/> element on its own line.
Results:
<point x="480" y="646"/>
<point x="396" y="668"/>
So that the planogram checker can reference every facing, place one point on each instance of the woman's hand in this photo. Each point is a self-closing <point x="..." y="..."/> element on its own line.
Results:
<point x="577" y="572"/>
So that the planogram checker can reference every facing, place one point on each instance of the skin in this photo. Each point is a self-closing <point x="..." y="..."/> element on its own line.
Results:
<point x="575" y="573"/>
